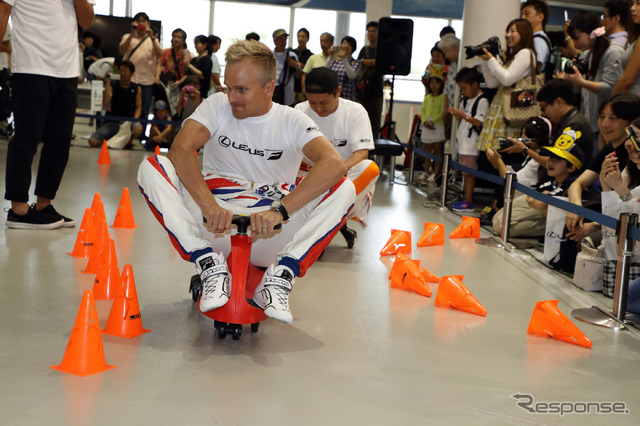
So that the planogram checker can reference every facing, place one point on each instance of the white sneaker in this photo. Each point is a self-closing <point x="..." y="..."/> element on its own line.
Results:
<point x="216" y="281"/>
<point x="423" y="178"/>
<point x="272" y="294"/>
<point x="431" y="178"/>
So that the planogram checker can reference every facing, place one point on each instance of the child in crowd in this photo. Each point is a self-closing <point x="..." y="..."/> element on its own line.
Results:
<point x="474" y="110"/>
<point x="432" y="136"/>
<point x="562" y="162"/>
<point x="160" y="134"/>
<point x="189" y="98"/>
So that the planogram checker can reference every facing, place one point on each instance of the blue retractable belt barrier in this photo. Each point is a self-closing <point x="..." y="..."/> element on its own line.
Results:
<point x="593" y="216"/>
<point x="118" y="118"/>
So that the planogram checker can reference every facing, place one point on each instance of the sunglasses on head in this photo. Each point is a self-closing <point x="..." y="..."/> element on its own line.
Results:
<point x="631" y="135"/>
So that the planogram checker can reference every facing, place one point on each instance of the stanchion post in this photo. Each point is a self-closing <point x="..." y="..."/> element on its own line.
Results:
<point x="445" y="178"/>
<point x="625" y="251"/>
<point x="509" y="179"/>
<point x="412" y="160"/>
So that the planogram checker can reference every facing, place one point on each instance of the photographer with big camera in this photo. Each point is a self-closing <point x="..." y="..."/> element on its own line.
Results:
<point x="604" y="67"/>
<point x="504" y="71"/>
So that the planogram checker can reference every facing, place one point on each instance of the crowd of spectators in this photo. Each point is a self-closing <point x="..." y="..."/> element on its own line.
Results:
<point x="584" y="104"/>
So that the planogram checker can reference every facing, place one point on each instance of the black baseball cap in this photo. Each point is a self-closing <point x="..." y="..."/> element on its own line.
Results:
<point x="322" y="80"/>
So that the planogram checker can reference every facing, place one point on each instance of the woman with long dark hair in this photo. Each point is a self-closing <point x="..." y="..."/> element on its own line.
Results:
<point x="201" y="65"/>
<point x="603" y="58"/>
<point x="504" y="72"/>
<point x="630" y="61"/>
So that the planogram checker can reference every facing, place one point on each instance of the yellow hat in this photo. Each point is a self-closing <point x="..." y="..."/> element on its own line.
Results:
<point x="436" y="71"/>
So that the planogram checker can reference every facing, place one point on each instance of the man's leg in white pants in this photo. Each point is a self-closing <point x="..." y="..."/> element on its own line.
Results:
<point x="310" y="230"/>
<point x="174" y="208"/>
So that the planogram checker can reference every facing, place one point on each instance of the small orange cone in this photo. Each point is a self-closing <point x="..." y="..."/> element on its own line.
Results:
<point x="124" y="215"/>
<point x="99" y="243"/>
<point x="86" y="236"/>
<point x="469" y="228"/>
<point x="107" y="282"/>
<point x="452" y="293"/>
<point x="125" y="319"/>
<point x="400" y="242"/>
<point x="85" y="354"/>
<point x="429" y="276"/>
<point x="548" y="320"/>
<point x="104" y="154"/>
<point x="433" y="235"/>
<point x="157" y="150"/>
<point x="406" y="274"/>
<point x="98" y="209"/>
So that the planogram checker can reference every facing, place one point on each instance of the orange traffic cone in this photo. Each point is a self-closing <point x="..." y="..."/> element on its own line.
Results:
<point x="452" y="293"/>
<point x="98" y="209"/>
<point x="400" y="242"/>
<point x="157" y="150"/>
<point x="548" y="320"/>
<point x="85" y="354"/>
<point x="99" y="243"/>
<point x="429" y="276"/>
<point x="124" y="215"/>
<point x="469" y="228"/>
<point x="406" y="274"/>
<point x="125" y="319"/>
<point x="104" y="154"/>
<point x="433" y="235"/>
<point x="107" y="282"/>
<point x="86" y="236"/>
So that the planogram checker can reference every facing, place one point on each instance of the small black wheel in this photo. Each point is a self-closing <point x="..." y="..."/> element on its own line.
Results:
<point x="222" y="333"/>
<point x="254" y="327"/>
<point x="219" y="324"/>
<point x="237" y="332"/>
<point x="195" y="287"/>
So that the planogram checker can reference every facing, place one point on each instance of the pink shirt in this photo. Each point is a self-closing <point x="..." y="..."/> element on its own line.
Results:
<point x="144" y="58"/>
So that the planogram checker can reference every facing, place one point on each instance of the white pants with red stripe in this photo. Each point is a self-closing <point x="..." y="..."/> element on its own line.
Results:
<point x="364" y="176"/>
<point x="303" y="237"/>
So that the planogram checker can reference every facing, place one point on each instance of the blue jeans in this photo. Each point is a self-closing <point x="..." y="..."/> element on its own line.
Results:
<point x="147" y="92"/>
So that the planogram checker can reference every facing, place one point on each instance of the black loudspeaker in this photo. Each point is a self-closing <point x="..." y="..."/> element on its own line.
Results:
<point x="395" y="40"/>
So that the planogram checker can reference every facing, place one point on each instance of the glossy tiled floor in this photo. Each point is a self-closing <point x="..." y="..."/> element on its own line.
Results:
<point x="357" y="353"/>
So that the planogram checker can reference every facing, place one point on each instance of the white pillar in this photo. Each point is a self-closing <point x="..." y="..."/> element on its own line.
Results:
<point x="484" y="19"/>
<point x="377" y="9"/>
<point x="212" y="5"/>
<point x="342" y="27"/>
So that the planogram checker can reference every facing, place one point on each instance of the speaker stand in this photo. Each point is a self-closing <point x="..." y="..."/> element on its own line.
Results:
<point x="389" y="124"/>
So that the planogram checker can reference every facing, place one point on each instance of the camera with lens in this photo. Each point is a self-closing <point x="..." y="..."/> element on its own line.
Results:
<point x="492" y="45"/>
<point x="581" y="64"/>
<point x="504" y="143"/>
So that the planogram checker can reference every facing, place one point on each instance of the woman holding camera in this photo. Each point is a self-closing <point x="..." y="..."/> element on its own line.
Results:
<point x="504" y="72"/>
<point x="347" y="68"/>
<point x="603" y="58"/>
<point x="142" y="48"/>
<point x="630" y="80"/>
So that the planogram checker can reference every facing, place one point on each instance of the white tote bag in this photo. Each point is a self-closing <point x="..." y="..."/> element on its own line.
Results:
<point x="553" y="231"/>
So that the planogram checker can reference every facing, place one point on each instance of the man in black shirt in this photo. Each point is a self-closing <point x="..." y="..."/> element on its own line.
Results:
<point x="303" y="56"/>
<point x="557" y="102"/>
<point x="125" y="99"/>
<point x="370" y="81"/>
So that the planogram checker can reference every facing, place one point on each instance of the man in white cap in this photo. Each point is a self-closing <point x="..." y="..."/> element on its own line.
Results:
<point x="288" y="67"/>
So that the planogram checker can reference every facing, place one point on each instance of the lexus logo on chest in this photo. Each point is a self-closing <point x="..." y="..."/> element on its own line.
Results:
<point x="271" y="154"/>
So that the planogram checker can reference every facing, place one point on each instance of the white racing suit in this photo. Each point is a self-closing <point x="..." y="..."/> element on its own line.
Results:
<point x="303" y="237"/>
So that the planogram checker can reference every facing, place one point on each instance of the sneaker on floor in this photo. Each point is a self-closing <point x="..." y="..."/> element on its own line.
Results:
<point x="68" y="223"/>
<point x="461" y="206"/>
<point x="33" y="219"/>
<point x="350" y="235"/>
<point x="272" y="294"/>
<point x="216" y="281"/>
<point x="431" y="178"/>
<point x="423" y="178"/>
